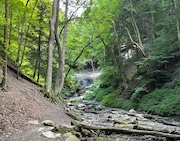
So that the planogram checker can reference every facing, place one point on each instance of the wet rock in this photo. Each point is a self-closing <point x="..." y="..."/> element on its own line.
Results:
<point x="126" y="117"/>
<point x="70" y="104"/>
<point x="115" y="112"/>
<point x="140" y="116"/>
<point x="133" y="120"/>
<point x="153" y="138"/>
<point x="91" y="111"/>
<point x="132" y="111"/>
<point x="81" y="106"/>
<point x="99" y="108"/>
<point x="90" y="106"/>
<point x="48" y="123"/>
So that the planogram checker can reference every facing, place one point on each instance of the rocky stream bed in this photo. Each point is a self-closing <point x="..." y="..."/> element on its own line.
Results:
<point x="93" y="114"/>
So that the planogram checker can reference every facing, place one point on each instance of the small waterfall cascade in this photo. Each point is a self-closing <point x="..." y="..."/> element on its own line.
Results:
<point x="86" y="77"/>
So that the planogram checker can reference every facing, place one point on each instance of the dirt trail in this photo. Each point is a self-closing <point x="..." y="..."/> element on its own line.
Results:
<point x="24" y="102"/>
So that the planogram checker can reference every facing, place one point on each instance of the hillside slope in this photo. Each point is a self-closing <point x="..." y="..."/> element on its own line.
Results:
<point x="24" y="102"/>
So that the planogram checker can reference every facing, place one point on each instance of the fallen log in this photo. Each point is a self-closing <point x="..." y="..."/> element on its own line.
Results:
<point x="160" y="120"/>
<point x="124" y="130"/>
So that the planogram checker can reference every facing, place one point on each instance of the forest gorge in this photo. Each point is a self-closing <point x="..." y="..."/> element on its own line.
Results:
<point x="135" y="44"/>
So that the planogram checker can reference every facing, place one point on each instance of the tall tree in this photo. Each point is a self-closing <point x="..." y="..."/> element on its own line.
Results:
<point x="61" y="53"/>
<point x="40" y="34"/>
<point x="53" y="27"/>
<point x="176" y="7"/>
<point x="4" y="80"/>
<point x="20" y="38"/>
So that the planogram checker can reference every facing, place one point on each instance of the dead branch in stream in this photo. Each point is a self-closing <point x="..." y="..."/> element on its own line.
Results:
<point x="125" y="130"/>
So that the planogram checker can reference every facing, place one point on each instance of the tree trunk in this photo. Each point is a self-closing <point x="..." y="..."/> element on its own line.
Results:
<point x="59" y="84"/>
<point x="4" y="79"/>
<point x="123" y="82"/>
<point x="176" y="7"/>
<point x="20" y="39"/>
<point x="38" y="59"/>
<point x="53" y="20"/>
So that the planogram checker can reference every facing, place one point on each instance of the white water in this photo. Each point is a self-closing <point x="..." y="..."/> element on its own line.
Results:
<point x="87" y="77"/>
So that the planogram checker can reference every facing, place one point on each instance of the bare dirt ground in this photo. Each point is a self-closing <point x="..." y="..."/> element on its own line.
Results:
<point x="24" y="102"/>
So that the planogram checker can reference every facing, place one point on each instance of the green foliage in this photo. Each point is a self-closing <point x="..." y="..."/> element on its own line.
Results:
<point x="71" y="83"/>
<point x="158" y="78"/>
<point x="162" y="101"/>
<point x="109" y="77"/>
<point x="175" y="83"/>
<point x="101" y="93"/>
<point x="90" y="95"/>
<point x="112" y="100"/>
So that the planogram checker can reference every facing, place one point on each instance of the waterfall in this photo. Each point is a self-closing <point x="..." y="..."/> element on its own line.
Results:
<point x="86" y="77"/>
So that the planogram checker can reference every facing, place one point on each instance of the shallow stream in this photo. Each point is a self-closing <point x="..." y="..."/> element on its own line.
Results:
<point x="93" y="113"/>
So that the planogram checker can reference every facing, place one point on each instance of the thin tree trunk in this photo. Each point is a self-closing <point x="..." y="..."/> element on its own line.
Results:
<point x="20" y="38"/>
<point x="4" y="79"/>
<point x="61" y="74"/>
<point x="123" y="83"/>
<point x="176" y="7"/>
<point x="10" y="28"/>
<point x="133" y="42"/>
<point x="38" y="59"/>
<point x="53" y="20"/>
<point x="25" y="43"/>
<point x="39" y="55"/>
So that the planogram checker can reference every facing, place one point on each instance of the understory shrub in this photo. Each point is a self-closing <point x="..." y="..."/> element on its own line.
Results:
<point x="90" y="95"/>
<point x="163" y="102"/>
<point x="102" y="92"/>
<point x="113" y="100"/>
<point x="98" y="93"/>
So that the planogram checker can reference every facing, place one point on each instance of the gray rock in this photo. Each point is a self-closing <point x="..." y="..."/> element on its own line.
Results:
<point x="50" y="135"/>
<point x="81" y="106"/>
<point x="71" y="137"/>
<point x="132" y="111"/>
<point x="48" y="123"/>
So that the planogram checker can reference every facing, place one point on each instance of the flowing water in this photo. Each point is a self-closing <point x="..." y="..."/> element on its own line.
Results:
<point x="93" y="113"/>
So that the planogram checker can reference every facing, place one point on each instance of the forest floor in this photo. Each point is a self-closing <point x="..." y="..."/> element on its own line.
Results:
<point x="23" y="102"/>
